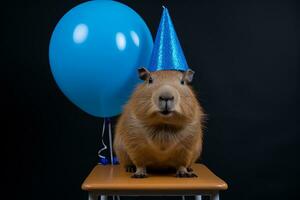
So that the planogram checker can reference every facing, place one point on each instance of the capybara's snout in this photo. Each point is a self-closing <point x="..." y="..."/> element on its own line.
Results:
<point x="166" y="98"/>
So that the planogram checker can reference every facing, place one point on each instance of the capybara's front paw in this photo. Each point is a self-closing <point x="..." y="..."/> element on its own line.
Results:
<point x="130" y="168"/>
<point x="183" y="172"/>
<point x="186" y="175"/>
<point x="140" y="173"/>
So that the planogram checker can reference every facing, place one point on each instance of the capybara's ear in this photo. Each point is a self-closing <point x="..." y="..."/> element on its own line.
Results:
<point x="143" y="73"/>
<point x="188" y="75"/>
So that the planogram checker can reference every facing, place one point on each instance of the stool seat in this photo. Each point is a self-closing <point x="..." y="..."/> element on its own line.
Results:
<point x="114" y="180"/>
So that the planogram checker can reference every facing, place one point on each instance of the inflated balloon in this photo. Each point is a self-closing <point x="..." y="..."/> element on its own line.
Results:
<point x="94" y="53"/>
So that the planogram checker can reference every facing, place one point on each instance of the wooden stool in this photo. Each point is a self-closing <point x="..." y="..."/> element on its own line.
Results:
<point x="114" y="180"/>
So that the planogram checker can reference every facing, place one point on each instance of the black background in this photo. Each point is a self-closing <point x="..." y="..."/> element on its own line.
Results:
<point x="246" y="58"/>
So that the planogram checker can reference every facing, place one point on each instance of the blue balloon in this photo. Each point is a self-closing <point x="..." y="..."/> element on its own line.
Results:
<point x="95" y="51"/>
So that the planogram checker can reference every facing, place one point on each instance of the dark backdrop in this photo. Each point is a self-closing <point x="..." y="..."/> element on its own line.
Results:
<point x="246" y="58"/>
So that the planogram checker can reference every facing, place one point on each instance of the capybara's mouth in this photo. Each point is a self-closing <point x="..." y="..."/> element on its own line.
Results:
<point x="166" y="112"/>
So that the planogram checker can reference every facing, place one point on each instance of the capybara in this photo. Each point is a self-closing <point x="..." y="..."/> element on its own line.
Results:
<point x="161" y="126"/>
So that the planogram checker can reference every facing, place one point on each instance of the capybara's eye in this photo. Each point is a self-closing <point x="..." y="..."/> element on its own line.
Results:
<point x="182" y="82"/>
<point x="150" y="80"/>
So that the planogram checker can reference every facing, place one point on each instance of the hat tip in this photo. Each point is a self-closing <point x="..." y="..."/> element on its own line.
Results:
<point x="167" y="53"/>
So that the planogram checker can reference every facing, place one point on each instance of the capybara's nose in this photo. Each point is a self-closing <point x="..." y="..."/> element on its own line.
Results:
<point x="166" y="98"/>
<point x="166" y="102"/>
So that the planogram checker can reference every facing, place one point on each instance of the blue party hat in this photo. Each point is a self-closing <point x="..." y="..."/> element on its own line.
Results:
<point x="167" y="53"/>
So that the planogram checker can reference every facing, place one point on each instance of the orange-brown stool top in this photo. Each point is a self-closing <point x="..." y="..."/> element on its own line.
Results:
<point x="115" y="178"/>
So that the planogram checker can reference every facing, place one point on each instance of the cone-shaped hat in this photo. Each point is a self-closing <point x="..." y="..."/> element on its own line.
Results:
<point x="167" y="53"/>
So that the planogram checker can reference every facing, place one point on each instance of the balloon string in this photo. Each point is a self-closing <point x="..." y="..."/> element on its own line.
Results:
<point x="110" y="142"/>
<point x="102" y="141"/>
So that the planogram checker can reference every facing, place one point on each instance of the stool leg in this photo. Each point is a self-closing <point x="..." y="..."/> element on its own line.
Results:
<point x="93" y="196"/>
<point x="215" y="196"/>
<point x="104" y="197"/>
<point x="198" y="197"/>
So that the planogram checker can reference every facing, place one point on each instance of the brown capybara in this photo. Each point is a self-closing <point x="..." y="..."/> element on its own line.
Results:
<point x="161" y="126"/>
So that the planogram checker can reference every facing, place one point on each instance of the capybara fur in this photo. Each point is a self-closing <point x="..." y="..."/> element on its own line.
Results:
<point x="161" y="126"/>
